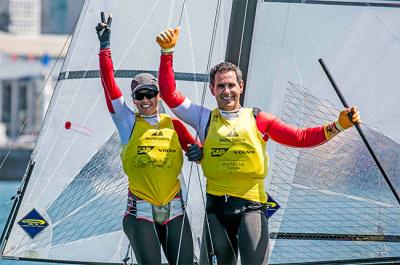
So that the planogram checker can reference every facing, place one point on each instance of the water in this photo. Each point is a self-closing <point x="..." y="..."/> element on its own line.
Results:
<point x="7" y="190"/>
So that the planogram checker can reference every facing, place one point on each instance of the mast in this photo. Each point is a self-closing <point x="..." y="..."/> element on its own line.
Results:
<point x="240" y="36"/>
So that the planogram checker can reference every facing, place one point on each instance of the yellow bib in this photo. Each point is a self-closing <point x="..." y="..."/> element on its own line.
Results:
<point x="235" y="161"/>
<point x="152" y="160"/>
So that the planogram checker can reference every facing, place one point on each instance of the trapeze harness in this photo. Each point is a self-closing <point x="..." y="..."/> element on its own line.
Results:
<point x="152" y="160"/>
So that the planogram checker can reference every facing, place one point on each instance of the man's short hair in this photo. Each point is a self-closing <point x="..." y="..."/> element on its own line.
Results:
<point x="225" y="67"/>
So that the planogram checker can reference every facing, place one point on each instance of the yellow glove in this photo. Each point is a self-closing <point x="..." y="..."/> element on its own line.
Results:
<point x="344" y="121"/>
<point x="167" y="39"/>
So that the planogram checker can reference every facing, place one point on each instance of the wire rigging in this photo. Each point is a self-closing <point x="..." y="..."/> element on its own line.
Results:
<point x="190" y="171"/>
<point x="241" y="36"/>
<point x="7" y="202"/>
<point x="210" y="54"/>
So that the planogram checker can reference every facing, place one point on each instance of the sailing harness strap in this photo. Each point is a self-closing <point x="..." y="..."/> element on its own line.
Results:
<point x="161" y="215"/>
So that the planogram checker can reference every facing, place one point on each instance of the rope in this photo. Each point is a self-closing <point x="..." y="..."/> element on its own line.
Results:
<point x="8" y="202"/>
<point x="127" y="257"/>
<point x="241" y="37"/>
<point x="210" y="53"/>
<point x="180" y="17"/>
<point x="190" y="172"/>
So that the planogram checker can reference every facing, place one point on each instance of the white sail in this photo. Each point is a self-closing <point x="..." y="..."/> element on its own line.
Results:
<point x="76" y="184"/>
<point x="335" y="203"/>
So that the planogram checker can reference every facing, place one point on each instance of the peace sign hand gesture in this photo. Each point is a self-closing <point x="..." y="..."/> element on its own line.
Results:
<point x="103" y="30"/>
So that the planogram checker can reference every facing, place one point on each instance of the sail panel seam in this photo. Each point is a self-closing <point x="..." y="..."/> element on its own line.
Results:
<point x="335" y="237"/>
<point x="180" y="76"/>
<point x="383" y="260"/>
<point x="339" y="3"/>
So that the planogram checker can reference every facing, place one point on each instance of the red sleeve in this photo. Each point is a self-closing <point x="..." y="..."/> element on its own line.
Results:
<point x="166" y="81"/>
<point x="185" y="137"/>
<point x="272" y="127"/>
<point x="111" y="89"/>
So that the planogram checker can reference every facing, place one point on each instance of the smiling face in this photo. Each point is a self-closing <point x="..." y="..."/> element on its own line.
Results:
<point x="146" y="101"/>
<point x="226" y="90"/>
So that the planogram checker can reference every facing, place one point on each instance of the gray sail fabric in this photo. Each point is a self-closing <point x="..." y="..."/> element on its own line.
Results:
<point x="335" y="202"/>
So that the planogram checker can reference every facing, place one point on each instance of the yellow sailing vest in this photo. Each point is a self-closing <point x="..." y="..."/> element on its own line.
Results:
<point x="152" y="160"/>
<point x="235" y="161"/>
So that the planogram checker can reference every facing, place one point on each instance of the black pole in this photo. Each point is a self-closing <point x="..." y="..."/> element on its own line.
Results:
<point x="340" y="95"/>
<point x="241" y="27"/>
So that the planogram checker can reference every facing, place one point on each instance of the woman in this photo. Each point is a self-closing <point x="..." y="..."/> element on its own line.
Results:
<point x="151" y="155"/>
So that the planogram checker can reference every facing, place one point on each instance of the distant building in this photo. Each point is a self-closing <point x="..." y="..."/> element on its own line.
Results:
<point x="25" y="63"/>
<point x="54" y="16"/>
<point x="60" y="16"/>
<point x="34" y="17"/>
<point x="74" y="9"/>
<point x="24" y="97"/>
<point x="4" y="5"/>
<point x="25" y="17"/>
<point x="4" y="15"/>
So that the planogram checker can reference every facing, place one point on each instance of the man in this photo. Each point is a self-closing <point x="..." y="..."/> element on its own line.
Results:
<point x="151" y="155"/>
<point x="235" y="161"/>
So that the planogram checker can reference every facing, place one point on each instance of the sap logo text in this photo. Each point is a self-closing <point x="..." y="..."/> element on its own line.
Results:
<point x="218" y="151"/>
<point x="143" y="149"/>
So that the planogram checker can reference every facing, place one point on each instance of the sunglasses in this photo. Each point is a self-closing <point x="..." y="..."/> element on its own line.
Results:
<point x="148" y="94"/>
